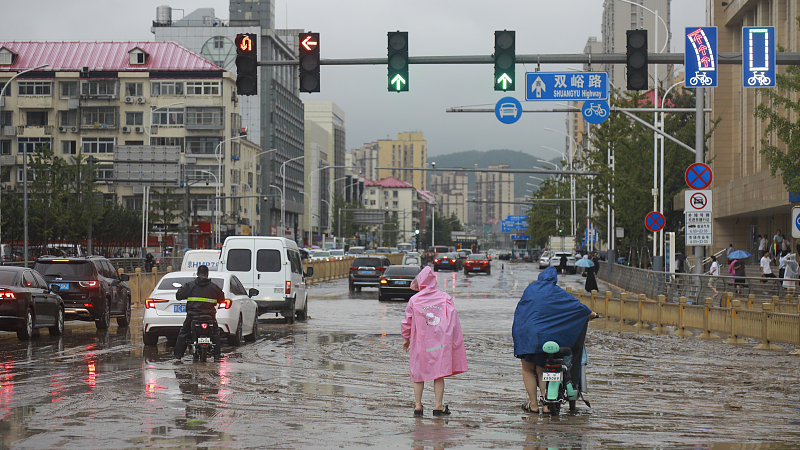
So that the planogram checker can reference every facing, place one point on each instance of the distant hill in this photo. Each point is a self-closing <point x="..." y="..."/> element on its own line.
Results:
<point x="515" y="159"/>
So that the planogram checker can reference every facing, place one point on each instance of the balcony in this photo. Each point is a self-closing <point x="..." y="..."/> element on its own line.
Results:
<point x="34" y="102"/>
<point x="35" y="130"/>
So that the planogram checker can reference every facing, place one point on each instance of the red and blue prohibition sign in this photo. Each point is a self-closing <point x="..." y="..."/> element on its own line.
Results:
<point x="654" y="221"/>
<point x="698" y="176"/>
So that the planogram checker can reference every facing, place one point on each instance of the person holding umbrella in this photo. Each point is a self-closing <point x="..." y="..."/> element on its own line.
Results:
<point x="591" y="281"/>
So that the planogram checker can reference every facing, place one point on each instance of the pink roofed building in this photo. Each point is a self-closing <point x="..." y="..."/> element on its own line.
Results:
<point x="399" y="199"/>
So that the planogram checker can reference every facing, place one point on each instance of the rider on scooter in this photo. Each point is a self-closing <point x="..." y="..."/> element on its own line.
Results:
<point x="202" y="296"/>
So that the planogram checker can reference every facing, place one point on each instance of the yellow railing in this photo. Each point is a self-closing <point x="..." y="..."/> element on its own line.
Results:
<point x="769" y="322"/>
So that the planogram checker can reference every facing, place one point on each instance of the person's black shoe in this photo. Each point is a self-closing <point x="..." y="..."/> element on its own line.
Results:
<point x="439" y="412"/>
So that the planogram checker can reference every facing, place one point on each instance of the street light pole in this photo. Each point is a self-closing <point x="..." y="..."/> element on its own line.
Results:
<point x="216" y="204"/>
<point x="572" y="209"/>
<point x="279" y="190"/>
<point x="283" y="194"/>
<point x="255" y="183"/>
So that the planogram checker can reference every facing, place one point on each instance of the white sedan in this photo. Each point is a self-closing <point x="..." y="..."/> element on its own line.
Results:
<point x="164" y="315"/>
<point x="544" y="260"/>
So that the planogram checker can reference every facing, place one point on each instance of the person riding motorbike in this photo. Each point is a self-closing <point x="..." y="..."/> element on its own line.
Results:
<point x="202" y="296"/>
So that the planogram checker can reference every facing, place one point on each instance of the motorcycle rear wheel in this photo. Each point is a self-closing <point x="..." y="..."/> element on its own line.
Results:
<point x="572" y="406"/>
<point x="555" y="408"/>
<point x="203" y="354"/>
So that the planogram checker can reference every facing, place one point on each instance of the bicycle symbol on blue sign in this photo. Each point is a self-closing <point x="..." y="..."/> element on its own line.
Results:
<point x="595" y="111"/>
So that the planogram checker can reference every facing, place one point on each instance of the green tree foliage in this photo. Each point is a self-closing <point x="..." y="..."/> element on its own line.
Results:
<point x="349" y="229"/>
<point x="776" y="110"/>
<point x="167" y="208"/>
<point x="443" y="227"/>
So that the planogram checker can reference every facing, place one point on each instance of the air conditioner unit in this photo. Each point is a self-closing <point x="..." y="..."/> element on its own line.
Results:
<point x="129" y="99"/>
<point x="139" y="129"/>
<point x="62" y="129"/>
<point x="9" y="130"/>
<point x="140" y="100"/>
<point x="74" y="129"/>
<point x="126" y="129"/>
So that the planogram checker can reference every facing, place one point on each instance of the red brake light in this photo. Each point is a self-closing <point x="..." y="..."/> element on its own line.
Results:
<point x="59" y="260"/>
<point x="354" y="268"/>
<point x="90" y="284"/>
<point x="204" y="325"/>
<point x="226" y="304"/>
<point x="383" y="281"/>
<point x="436" y="260"/>
<point x="288" y="287"/>
<point x="380" y="269"/>
<point x="150" y="303"/>
<point x="452" y="260"/>
<point x="7" y="295"/>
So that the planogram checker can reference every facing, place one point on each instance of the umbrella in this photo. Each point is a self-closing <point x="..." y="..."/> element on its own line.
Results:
<point x="680" y="256"/>
<point x="584" y="263"/>
<point x="738" y="254"/>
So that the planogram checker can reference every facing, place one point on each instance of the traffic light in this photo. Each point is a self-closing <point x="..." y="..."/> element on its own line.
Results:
<point x="309" y="62"/>
<point x="416" y="231"/>
<point x="636" y="60"/>
<point x="504" y="60"/>
<point x="398" y="60"/>
<point x="247" y="64"/>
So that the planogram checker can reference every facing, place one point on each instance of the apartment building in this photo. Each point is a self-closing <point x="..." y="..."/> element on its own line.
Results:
<point x="451" y="191"/>
<point x="408" y="150"/>
<point x="494" y="194"/>
<point x="398" y="199"/>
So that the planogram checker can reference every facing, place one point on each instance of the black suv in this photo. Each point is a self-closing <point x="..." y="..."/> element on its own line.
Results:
<point x="91" y="288"/>
<point x="367" y="271"/>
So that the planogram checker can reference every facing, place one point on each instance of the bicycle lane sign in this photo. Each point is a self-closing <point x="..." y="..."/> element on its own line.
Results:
<point x="595" y="111"/>
<point x="700" y="57"/>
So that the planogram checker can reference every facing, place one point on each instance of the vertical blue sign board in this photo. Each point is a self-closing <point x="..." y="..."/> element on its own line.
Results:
<point x="700" y="57"/>
<point x="758" y="56"/>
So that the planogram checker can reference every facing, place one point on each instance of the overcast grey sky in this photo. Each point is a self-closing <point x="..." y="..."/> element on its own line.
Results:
<point x="357" y="29"/>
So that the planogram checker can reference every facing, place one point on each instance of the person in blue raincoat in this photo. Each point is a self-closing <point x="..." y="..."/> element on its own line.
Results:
<point x="547" y="313"/>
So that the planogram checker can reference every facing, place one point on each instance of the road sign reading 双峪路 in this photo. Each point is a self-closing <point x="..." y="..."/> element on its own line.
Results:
<point x="548" y="86"/>
<point x="700" y="58"/>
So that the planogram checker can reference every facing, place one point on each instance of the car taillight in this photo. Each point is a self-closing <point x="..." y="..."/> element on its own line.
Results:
<point x="150" y="303"/>
<point x="288" y="287"/>
<point x="354" y="268"/>
<point x="452" y="260"/>
<point x="436" y="260"/>
<point x="89" y="284"/>
<point x="59" y="260"/>
<point x="7" y="295"/>
<point x="383" y="281"/>
<point x="204" y="325"/>
<point x="226" y="304"/>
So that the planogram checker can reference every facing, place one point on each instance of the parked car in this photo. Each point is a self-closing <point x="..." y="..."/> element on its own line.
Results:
<point x="337" y="253"/>
<point x="237" y="317"/>
<point x="90" y="287"/>
<point x="544" y="260"/>
<point x="195" y="258"/>
<point x="367" y="271"/>
<point x="555" y="261"/>
<point x="477" y="262"/>
<point x="355" y="251"/>
<point x="412" y="259"/>
<point x="319" y="255"/>
<point x="272" y="266"/>
<point x="447" y="261"/>
<point x="371" y="251"/>
<point x="28" y="303"/>
<point x="396" y="282"/>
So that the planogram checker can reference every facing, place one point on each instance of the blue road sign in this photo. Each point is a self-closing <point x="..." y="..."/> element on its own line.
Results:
<point x="758" y="56"/>
<point x="590" y="235"/>
<point x="700" y="57"/>
<point x="413" y="242"/>
<point x="508" y="110"/>
<point x="520" y="237"/>
<point x="796" y="229"/>
<point x="654" y="221"/>
<point x="517" y="218"/>
<point x="698" y="176"/>
<point x="595" y="111"/>
<point x="564" y="86"/>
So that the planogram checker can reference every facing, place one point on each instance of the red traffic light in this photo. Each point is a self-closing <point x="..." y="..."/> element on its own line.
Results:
<point x="244" y="44"/>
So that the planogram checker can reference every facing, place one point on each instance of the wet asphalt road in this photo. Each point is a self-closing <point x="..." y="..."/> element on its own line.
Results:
<point x="340" y="380"/>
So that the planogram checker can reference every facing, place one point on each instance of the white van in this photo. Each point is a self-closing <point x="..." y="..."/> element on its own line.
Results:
<point x="273" y="266"/>
<point x="193" y="259"/>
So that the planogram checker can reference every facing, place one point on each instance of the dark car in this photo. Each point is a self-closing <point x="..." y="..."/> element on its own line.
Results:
<point x="396" y="282"/>
<point x="477" y="263"/>
<point x="367" y="271"/>
<point x="91" y="288"/>
<point x="27" y="303"/>
<point x="432" y="252"/>
<point x="448" y="261"/>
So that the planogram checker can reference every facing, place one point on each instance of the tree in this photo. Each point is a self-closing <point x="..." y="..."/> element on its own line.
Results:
<point x="166" y="208"/>
<point x="777" y="111"/>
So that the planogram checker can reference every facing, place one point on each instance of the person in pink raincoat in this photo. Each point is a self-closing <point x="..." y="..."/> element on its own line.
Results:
<point x="432" y="336"/>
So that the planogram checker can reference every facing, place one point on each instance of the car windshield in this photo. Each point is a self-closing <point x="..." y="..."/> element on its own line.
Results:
<point x="321" y="254"/>
<point x="356" y="250"/>
<point x="477" y="257"/>
<point x="337" y="252"/>
<point x="411" y="260"/>
<point x="401" y="271"/>
<point x="174" y="283"/>
<point x="450" y="255"/>
<point x="367" y="262"/>
<point x="65" y="269"/>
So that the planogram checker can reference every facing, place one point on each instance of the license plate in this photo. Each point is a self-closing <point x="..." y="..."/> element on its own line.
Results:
<point x="367" y="272"/>
<point x="61" y="286"/>
<point x="476" y="268"/>
<point x="277" y="290"/>
<point x="403" y="283"/>
<point x="551" y="376"/>
<point x="204" y="340"/>
<point x="179" y="308"/>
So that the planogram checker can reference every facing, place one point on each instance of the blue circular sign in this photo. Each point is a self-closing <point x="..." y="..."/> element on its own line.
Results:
<point x="508" y="110"/>
<point x="698" y="176"/>
<point x="654" y="221"/>
<point x="595" y="111"/>
<point x="797" y="222"/>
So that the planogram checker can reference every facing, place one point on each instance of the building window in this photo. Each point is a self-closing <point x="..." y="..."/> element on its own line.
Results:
<point x="137" y="57"/>
<point x="372" y="192"/>
<point x="394" y="194"/>
<point x="69" y="89"/>
<point x="5" y="118"/>
<point x="134" y="203"/>
<point x="36" y="118"/>
<point x="68" y="118"/>
<point x="5" y="147"/>
<point x="166" y="88"/>
<point x="201" y="145"/>
<point x="104" y="172"/>
<point x="35" y="88"/>
<point x="134" y="89"/>
<point x="25" y="145"/>
<point x="200" y="172"/>
<point x="204" y="116"/>
<point x="134" y="118"/>
<point x="394" y="205"/>
<point x="97" y="145"/>
<point x="167" y="141"/>
<point x="372" y="202"/>
<point x="6" y="58"/>
<point x="69" y="147"/>
<point x="98" y="115"/>
<point x="219" y="42"/>
<point x="99" y="88"/>
<point x="168" y="116"/>
<point x="203" y="88"/>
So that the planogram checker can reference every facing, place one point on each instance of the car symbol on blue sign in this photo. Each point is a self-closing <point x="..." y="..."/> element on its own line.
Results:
<point x="508" y="110"/>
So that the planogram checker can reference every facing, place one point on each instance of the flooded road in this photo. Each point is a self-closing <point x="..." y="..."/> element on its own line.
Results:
<point x="340" y="380"/>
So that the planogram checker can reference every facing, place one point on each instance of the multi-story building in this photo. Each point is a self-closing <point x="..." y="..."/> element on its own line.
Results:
<point x="317" y="216"/>
<point x="274" y="118"/>
<point x="494" y="194"/>
<point x="451" y="191"/>
<point x="367" y="157"/>
<point x="330" y="118"/>
<point x="408" y="150"/>
<point x="152" y="98"/>
<point x="399" y="199"/>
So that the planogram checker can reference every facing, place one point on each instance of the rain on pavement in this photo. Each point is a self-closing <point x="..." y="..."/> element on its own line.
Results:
<point x="340" y="380"/>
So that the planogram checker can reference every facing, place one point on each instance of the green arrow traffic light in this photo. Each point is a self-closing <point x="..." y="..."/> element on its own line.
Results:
<point x="416" y="232"/>
<point x="504" y="60"/>
<point x="398" y="60"/>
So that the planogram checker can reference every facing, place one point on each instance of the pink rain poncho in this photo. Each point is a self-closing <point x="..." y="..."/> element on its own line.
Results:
<point x="431" y="324"/>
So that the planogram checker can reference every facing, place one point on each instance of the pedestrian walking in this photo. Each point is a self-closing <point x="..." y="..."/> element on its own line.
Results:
<point x="730" y="250"/>
<point x="562" y="264"/>
<point x="548" y="313"/>
<point x="432" y="336"/>
<point x="791" y="273"/>
<point x="766" y="270"/>
<point x="714" y="272"/>
<point x="782" y="264"/>
<point x="762" y="243"/>
<point x="591" y="280"/>
<point x="777" y="243"/>
<point x="737" y="266"/>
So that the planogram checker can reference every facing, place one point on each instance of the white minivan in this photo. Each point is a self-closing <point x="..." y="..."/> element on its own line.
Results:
<point x="273" y="266"/>
<point x="193" y="259"/>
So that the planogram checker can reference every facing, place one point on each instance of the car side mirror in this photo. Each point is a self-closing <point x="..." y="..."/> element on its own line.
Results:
<point x="309" y="272"/>
<point x="124" y="277"/>
<point x="252" y="292"/>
